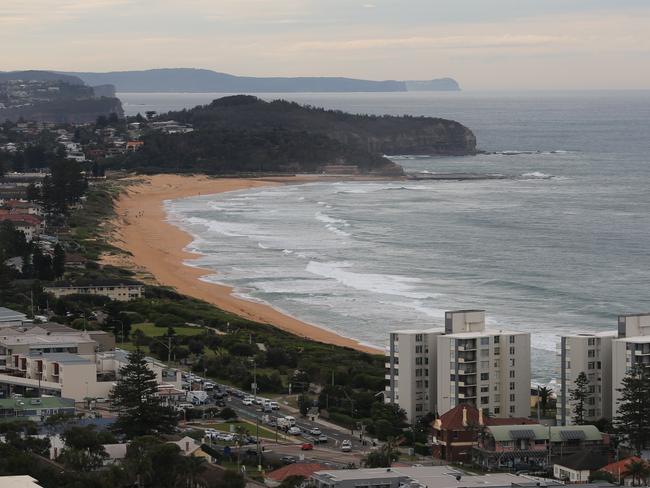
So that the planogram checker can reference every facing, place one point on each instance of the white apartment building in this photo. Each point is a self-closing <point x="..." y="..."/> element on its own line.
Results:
<point x="65" y="362"/>
<point x="434" y="370"/>
<point x="119" y="291"/>
<point x="590" y="353"/>
<point x="605" y="357"/>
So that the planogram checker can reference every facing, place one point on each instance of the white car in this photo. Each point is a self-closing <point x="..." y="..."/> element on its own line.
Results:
<point x="225" y="437"/>
<point x="209" y="431"/>
<point x="275" y="406"/>
<point x="247" y="401"/>
<point x="294" y="430"/>
<point x="346" y="446"/>
<point x="315" y="431"/>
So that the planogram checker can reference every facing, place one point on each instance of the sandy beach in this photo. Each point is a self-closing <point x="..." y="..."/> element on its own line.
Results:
<point x="157" y="248"/>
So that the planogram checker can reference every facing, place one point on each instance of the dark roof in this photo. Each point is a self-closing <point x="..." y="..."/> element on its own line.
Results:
<point x="298" y="469"/>
<point x="453" y="419"/>
<point x="584" y="460"/>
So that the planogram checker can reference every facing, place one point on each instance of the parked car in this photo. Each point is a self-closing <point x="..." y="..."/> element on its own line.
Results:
<point x="322" y="438"/>
<point x="346" y="446"/>
<point x="315" y="431"/>
<point x="288" y="459"/>
<point x="275" y="406"/>
<point x="307" y="446"/>
<point x="294" y="430"/>
<point x="247" y="401"/>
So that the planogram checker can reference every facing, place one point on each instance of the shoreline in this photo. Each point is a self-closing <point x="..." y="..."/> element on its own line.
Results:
<point x="157" y="247"/>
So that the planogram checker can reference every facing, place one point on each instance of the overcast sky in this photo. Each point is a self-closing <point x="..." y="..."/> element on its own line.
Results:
<point x="484" y="44"/>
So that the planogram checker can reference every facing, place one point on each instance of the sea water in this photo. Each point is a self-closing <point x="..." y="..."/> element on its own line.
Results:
<point x="560" y="244"/>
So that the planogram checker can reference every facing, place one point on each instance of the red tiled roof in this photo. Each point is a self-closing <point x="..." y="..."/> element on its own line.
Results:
<point x="298" y="469"/>
<point x="22" y="218"/>
<point x="453" y="419"/>
<point x="620" y="467"/>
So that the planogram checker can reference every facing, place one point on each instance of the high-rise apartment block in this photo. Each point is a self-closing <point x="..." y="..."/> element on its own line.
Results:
<point x="434" y="370"/>
<point x="605" y="358"/>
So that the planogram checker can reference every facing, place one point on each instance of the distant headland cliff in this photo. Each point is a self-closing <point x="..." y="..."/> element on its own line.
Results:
<point x="191" y="80"/>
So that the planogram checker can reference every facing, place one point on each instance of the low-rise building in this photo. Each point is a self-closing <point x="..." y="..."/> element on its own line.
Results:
<point x="21" y="481"/>
<point x="456" y="432"/>
<point x="577" y="468"/>
<point x="506" y="446"/>
<point x="619" y="471"/>
<point x="36" y="409"/>
<point x="120" y="291"/>
<point x="9" y="318"/>
<point x="422" y="477"/>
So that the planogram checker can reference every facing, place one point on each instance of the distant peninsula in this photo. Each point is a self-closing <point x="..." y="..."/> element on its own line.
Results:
<point x="189" y="80"/>
<point x="244" y="134"/>
<point x="45" y="96"/>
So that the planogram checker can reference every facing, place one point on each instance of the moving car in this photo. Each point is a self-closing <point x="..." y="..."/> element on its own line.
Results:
<point x="275" y="406"/>
<point x="315" y="431"/>
<point x="346" y="446"/>
<point x="306" y="447"/>
<point x="322" y="438"/>
<point x="294" y="430"/>
<point x="288" y="459"/>
<point x="247" y="401"/>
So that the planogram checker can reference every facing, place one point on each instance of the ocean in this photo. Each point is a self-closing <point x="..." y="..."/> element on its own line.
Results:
<point x="561" y="244"/>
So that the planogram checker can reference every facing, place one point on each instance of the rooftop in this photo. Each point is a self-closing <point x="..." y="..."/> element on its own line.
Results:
<point x="584" y="461"/>
<point x="502" y="433"/>
<point x="62" y="358"/>
<point x="8" y="315"/>
<point x="47" y="402"/>
<point x="435" y="477"/>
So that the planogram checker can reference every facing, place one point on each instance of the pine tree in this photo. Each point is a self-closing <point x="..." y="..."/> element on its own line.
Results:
<point x="578" y="396"/>
<point x="58" y="261"/>
<point x="633" y="419"/>
<point x="136" y="399"/>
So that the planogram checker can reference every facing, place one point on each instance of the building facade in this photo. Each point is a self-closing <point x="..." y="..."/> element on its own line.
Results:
<point x="122" y="292"/>
<point x="589" y="353"/>
<point x="605" y="358"/>
<point x="435" y="370"/>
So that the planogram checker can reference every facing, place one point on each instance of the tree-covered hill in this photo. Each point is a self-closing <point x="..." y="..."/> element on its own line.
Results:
<point x="243" y="134"/>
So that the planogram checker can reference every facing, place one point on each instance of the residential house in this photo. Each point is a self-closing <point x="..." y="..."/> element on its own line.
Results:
<point x="619" y="470"/>
<point x="306" y="470"/>
<point x="577" y="468"/>
<point x="456" y="432"/>
<point x="36" y="409"/>
<point x="507" y="446"/>
<point x="122" y="291"/>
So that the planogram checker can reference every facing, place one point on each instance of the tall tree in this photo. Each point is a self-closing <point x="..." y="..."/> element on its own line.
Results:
<point x="84" y="450"/>
<point x="135" y="396"/>
<point x="578" y="396"/>
<point x="639" y="471"/>
<point x="633" y="418"/>
<point x="58" y="261"/>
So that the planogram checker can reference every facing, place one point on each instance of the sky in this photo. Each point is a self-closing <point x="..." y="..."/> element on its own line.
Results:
<point x="484" y="44"/>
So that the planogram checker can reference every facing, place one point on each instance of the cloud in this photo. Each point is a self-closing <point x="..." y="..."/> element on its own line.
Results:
<point x="39" y="12"/>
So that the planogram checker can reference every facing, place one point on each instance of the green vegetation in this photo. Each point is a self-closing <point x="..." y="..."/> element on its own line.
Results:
<point x="633" y="419"/>
<point x="140" y="412"/>
<point x="578" y="396"/>
<point x="244" y="134"/>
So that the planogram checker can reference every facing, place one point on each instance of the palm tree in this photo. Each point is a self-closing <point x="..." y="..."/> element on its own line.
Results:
<point x="639" y="470"/>
<point x="544" y="395"/>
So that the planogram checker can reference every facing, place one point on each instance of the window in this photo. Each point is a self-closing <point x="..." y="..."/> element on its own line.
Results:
<point x="485" y="353"/>
<point x="496" y="339"/>
<point x="511" y="339"/>
<point x="485" y="389"/>
<point x="512" y="386"/>
<point x="418" y="407"/>
<point x="485" y="400"/>
<point x="418" y="349"/>
<point x="512" y="362"/>
<point x="418" y="384"/>
<point x="452" y="377"/>
<point x="485" y="376"/>
<point x="418" y="361"/>
<point x="497" y="410"/>
<point x="512" y="409"/>
<point x="591" y="353"/>
<point x="497" y="351"/>
<point x="485" y="341"/>
<point x="512" y="350"/>
<point x="418" y="337"/>
<point x="512" y="373"/>
<point x="591" y="365"/>
<point x="512" y="397"/>
<point x="591" y="342"/>
<point x="497" y="398"/>
<point x="485" y="365"/>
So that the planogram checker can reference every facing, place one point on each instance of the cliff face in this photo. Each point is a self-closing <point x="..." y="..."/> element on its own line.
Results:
<point x="65" y="111"/>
